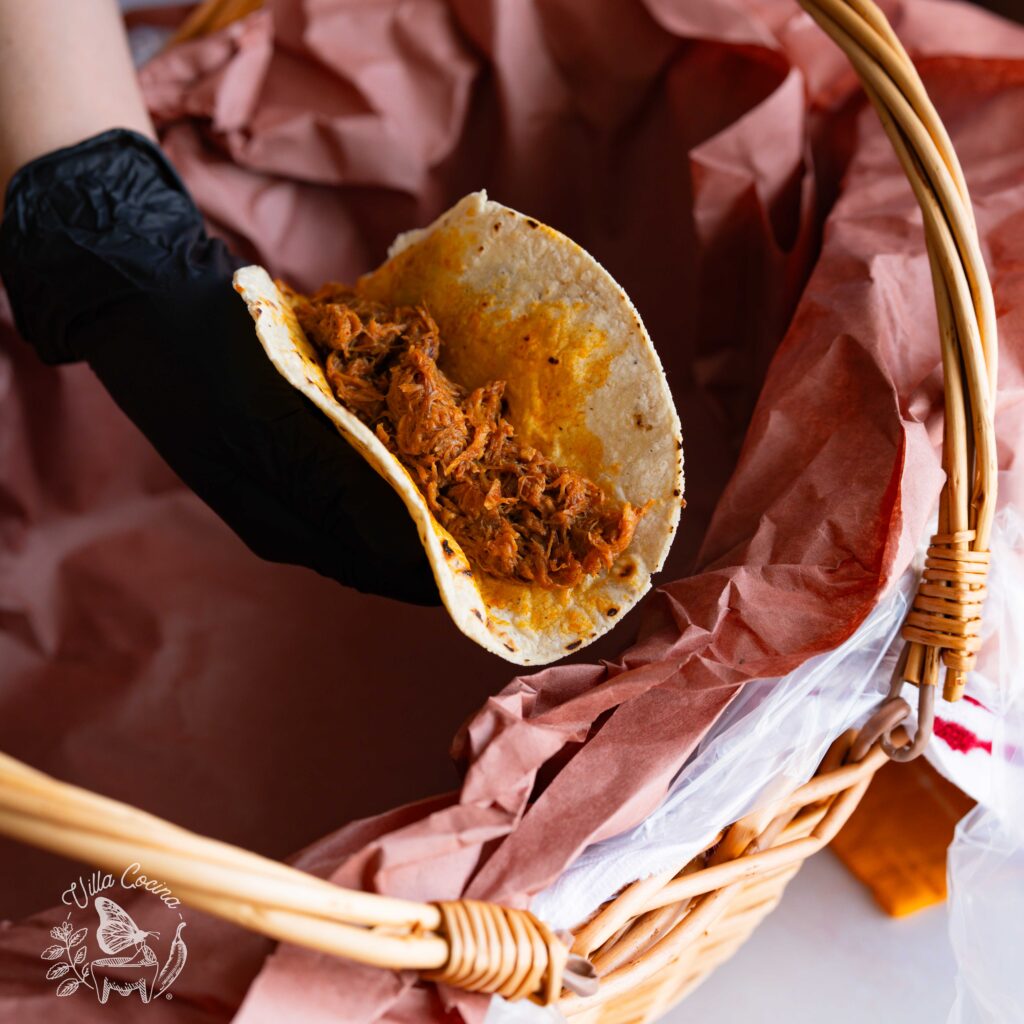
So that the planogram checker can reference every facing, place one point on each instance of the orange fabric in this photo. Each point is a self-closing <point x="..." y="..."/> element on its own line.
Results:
<point x="213" y="15"/>
<point x="896" y="840"/>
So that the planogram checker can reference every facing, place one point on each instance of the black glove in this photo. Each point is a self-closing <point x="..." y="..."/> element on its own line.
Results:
<point x="105" y="258"/>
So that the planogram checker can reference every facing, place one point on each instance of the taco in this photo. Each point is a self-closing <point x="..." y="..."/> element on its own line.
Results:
<point x="503" y="384"/>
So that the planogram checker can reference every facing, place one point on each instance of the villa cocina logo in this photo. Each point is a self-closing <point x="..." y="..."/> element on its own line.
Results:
<point x="130" y="964"/>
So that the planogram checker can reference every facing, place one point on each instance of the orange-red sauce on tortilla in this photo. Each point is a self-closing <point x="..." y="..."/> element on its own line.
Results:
<point x="516" y="514"/>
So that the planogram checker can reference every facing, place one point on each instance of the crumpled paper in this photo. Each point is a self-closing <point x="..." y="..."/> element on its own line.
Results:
<point x="695" y="150"/>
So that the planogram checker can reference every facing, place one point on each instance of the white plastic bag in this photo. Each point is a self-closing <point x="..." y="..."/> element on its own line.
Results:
<point x="986" y="859"/>
<point x="771" y="739"/>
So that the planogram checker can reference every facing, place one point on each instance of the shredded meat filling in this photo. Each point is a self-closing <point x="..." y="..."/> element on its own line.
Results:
<point x="515" y="513"/>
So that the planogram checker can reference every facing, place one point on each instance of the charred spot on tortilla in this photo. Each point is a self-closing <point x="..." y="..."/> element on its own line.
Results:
<point x="573" y="645"/>
<point x="613" y="611"/>
<point x="446" y="547"/>
<point x="552" y="360"/>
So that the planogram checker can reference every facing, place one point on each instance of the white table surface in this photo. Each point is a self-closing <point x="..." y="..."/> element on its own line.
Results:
<point x="828" y="955"/>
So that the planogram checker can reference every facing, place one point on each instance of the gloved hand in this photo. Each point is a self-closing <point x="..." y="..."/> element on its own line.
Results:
<point x="105" y="258"/>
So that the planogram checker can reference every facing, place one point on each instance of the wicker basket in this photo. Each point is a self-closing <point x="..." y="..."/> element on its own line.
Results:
<point x="662" y="935"/>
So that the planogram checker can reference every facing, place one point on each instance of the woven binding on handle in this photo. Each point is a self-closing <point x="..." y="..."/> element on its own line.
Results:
<point x="946" y="613"/>
<point x="509" y="952"/>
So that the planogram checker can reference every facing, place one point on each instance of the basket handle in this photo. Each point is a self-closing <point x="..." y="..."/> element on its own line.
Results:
<point x="944" y="623"/>
<point x="477" y="946"/>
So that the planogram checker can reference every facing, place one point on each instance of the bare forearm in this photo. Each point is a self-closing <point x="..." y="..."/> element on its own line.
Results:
<point x="65" y="74"/>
